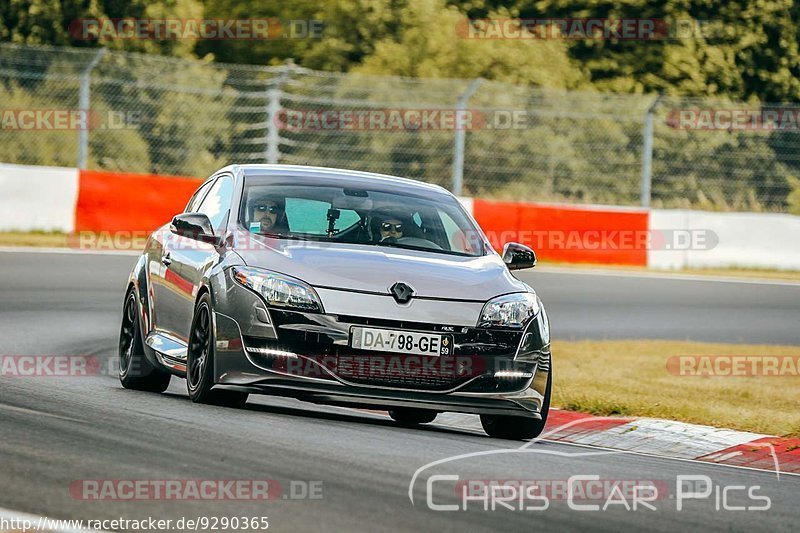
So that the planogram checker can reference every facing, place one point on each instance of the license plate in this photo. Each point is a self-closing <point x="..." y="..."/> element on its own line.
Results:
<point x="398" y="341"/>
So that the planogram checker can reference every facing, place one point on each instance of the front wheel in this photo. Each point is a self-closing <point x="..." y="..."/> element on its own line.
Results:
<point x="518" y="427"/>
<point x="200" y="361"/>
<point x="135" y="371"/>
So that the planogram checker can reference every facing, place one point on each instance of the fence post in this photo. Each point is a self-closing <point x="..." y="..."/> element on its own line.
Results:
<point x="460" y="137"/>
<point x="274" y="94"/>
<point x="83" y="105"/>
<point x="647" y="153"/>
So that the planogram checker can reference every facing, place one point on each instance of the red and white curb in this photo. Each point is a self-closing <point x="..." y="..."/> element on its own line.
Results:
<point x="665" y="438"/>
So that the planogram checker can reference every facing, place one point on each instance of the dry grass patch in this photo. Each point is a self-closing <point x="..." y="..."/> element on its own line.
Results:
<point x="39" y="239"/>
<point x="630" y="377"/>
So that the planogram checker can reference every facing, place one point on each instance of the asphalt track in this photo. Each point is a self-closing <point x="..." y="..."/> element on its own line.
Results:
<point x="54" y="431"/>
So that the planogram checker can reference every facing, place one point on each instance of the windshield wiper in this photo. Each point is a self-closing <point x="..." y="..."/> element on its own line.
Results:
<point x="422" y="248"/>
<point x="285" y="236"/>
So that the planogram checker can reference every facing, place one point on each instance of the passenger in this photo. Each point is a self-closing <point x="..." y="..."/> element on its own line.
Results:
<point x="268" y="215"/>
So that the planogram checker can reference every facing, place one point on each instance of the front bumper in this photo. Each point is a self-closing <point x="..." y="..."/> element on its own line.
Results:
<point x="308" y="356"/>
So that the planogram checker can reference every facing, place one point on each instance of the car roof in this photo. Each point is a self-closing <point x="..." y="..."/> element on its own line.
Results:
<point x="356" y="177"/>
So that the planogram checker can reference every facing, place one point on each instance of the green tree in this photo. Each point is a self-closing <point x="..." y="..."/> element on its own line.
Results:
<point x="291" y="43"/>
<point x="431" y="44"/>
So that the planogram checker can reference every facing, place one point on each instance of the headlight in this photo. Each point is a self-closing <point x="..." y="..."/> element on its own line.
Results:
<point x="279" y="290"/>
<point x="510" y="310"/>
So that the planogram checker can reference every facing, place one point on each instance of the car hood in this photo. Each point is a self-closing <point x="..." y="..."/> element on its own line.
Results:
<point x="375" y="269"/>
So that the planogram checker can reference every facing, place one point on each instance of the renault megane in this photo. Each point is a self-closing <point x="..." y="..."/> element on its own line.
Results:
<point x="343" y="288"/>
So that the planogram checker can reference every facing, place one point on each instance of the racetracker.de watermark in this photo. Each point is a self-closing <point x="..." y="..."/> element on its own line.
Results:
<point x="381" y="120"/>
<point x="769" y="119"/>
<point x="617" y="29"/>
<point x="384" y="367"/>
<point x="194" y="489"/>
<point x="63" y="366"/>
<point x="405" y="120"/>
<point x="50" y="366"/>
<point x="67" y="120"/>
<point x="734" y="365"/>
<point x="611" y="239"/>
<point x="171" y="29"/>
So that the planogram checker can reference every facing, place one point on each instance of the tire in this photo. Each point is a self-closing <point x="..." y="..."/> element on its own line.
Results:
<point x="200" y="361"/>
<point x="135" y="371"/>
<point x="518" y="427"/>
<point x="411" y="417"/>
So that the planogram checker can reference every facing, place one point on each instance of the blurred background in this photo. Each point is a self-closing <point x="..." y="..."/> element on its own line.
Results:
<point x="598" y="112"/>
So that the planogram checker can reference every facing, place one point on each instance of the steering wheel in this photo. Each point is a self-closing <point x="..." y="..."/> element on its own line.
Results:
<point x="421" y="243"/>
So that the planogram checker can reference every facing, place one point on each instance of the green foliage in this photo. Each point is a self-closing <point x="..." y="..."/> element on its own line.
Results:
<point x="259" y="52"/>
<point x="741" y="49"/>
<point x="428" y="46"/>
<point x="177" y="139"/>
<point x="352" y="29"/>
<point x="41" y="147"/>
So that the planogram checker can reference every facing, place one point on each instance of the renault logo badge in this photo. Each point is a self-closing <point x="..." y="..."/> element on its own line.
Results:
<point x="402" y="293"/>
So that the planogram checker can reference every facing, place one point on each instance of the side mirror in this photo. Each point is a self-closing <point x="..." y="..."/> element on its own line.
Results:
<point x="195" y="226"/>
<point x="518" y="256"/>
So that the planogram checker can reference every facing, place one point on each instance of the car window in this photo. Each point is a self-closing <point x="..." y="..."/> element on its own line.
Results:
<point x="217" y="202"/>
<point x="309" y="216"/>
<point x="198" y="196"/>
<point x="456" y="238"/>
<point x="380" y="216"/>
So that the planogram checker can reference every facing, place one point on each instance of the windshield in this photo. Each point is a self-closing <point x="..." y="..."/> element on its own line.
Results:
<point x="359" y="216"/>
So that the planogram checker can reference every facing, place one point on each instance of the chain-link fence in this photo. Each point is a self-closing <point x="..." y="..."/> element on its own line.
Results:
<point x="163" y="115"/>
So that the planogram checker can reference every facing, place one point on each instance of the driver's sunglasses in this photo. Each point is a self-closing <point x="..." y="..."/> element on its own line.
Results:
<point x="386" y="226"/>
<point x="267" y="209"/>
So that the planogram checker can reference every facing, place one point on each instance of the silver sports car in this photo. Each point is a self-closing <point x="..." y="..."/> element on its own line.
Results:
<point x="338" y="287"/>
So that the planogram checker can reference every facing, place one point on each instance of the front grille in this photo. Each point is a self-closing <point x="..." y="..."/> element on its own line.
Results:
<point x="395" y="324"/>
<point x="482" y="351"/>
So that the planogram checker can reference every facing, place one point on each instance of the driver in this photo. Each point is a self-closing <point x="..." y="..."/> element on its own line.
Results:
<point x="391" y="228"/>
<point x="388" y="225"/>
<point x="268" y="214"/>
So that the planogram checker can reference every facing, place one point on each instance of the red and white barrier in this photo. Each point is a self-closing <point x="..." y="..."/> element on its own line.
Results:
<point x="69" y="200"/>
<point x="567" y="233"/>
<point x="38" y="198"/>
<point x="748" y="240"/>
<point x="113" y="201"/>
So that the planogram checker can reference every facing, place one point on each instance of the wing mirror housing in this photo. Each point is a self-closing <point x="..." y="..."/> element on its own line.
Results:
<point x="195" y="226"/>
<point x="517" y="256"/>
